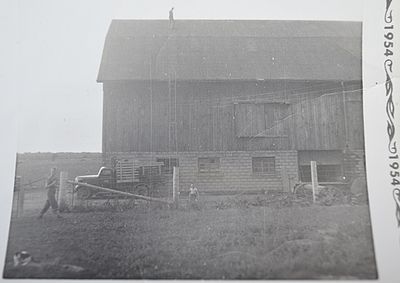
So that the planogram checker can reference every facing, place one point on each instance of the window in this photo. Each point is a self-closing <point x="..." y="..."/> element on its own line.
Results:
<point x="208" y="164"/>
<point x="169" y="164"/>
<point x="149" y="171"/>
<point x="329" y="165"/>
<point x="260" y="119"/>
<point x="263" y="165"/>
<point x="326" y="173"/>
<point x="106" y="173"/>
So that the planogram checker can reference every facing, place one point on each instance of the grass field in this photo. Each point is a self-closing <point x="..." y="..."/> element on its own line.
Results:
<point x="232" y="243"/>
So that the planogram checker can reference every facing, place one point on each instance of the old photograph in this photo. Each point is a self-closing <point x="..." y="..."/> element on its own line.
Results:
<point x="177" y="140"/>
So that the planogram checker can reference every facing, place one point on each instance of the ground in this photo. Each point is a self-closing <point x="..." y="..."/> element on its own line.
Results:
<point x="251" y="242"/>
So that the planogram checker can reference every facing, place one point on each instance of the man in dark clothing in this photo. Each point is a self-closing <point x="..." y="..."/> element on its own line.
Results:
<point x="51" y="186"/>
<point x="171" y="17"/>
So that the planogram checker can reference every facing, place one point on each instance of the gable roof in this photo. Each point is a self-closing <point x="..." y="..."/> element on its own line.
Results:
<point x="231" y="49"/>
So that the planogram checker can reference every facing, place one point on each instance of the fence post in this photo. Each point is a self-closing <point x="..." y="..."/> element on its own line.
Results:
<point x="64" y="193"/>
<point x="314" y="179"/>
<point x="286" y="182"/>
<point x="175" y="187"/>
<point x="21" y="195"/>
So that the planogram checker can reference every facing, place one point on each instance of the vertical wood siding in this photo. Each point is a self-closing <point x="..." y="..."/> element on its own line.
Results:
<point x="207" y="118"/>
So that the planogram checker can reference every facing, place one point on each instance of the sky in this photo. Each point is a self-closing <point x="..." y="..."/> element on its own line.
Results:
<point x="55" y="48"/>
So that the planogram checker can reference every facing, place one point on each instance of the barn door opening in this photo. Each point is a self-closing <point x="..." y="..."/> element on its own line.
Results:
<point x="329" y="165"/>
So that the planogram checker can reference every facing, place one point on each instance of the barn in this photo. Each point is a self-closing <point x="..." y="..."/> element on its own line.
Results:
<point x="236" y="104"/>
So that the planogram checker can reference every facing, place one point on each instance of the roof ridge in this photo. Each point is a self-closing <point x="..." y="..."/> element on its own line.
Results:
<point x="241" y="20"/>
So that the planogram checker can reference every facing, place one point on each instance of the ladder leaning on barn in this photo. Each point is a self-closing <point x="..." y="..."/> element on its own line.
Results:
<point x="172" y="99"/>
<point x="172" y="61"/>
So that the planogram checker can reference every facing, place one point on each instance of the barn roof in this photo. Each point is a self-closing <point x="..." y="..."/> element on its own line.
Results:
<point x="231" y="49"/>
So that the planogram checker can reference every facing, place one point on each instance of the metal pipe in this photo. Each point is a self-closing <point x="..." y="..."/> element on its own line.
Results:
<point x="119" y="192"/>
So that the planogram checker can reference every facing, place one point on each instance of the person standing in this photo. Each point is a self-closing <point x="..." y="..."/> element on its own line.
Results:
<point x="193" y="194"/>
<point x="51" y="186"/>
<point x="171" y="18"/>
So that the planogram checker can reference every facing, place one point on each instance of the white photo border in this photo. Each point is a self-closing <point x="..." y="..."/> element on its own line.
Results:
<point x="383" y="160"/>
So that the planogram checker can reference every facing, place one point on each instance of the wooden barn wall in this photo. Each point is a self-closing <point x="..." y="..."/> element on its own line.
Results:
<point x="139" y="117"/>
